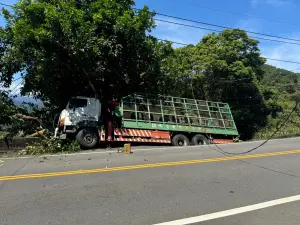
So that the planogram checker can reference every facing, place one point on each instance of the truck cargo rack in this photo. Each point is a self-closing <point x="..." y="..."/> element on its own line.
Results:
<point x="177" y="114"/>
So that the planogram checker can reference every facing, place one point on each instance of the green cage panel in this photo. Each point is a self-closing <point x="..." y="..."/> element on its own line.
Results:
<point x="177" y="114"/>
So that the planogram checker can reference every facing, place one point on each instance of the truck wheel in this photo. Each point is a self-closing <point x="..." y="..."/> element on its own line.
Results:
<point x="180" y="140"/>
<point x="87" y="138"/>
<point x="199" y="139"/>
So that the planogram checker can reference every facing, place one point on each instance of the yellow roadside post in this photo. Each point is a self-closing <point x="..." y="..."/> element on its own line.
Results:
<point x="127" y="148"/>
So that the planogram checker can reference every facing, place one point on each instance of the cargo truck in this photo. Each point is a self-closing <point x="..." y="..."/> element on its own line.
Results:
<point x="147" y="119"/>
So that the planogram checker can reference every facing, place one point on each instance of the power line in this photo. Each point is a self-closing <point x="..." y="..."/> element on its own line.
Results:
<point x="174" y="42"/>
<point x="295" y="70"/>
<point x="185" y="44"/>
<point x="262" y="167"/>
<point x="218" y="31"/>
<point x="219" y="26"/>
<point x="189" y="44"/>
<point x="13" y="91"/>
<point x="241" y="14"/>
<point x="218" y="10"/>
<point x="281" y="124"/>
<point x="5" y="4"/>
<point x="17" y="79"/>
<point x="209" y="24"/>
<point x="187" y="25"/>
<point x="224" y="27"/>
<point x="236" y="81"/>
<point x="279" y="60"/>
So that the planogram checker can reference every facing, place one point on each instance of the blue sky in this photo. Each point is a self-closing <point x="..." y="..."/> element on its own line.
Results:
<point x="253" y="15"/>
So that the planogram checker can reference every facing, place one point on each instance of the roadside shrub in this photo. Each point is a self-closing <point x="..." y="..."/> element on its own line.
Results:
<point x="50" y="146"/>
<point x="3" y="134"/>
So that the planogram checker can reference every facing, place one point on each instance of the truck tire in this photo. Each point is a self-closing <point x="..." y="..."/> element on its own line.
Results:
<point x="200" y="139"/>
<point x="87" y="138"/>
<point x="180" y="140"/>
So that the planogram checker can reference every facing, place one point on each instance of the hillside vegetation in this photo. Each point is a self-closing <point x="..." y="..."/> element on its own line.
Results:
<point x="281" y="90"/>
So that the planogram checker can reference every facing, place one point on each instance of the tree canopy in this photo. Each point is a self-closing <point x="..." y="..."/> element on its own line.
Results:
<point x="281" y="90"/>
<point x="225" y="67"/>
<point x="65" y="48"/>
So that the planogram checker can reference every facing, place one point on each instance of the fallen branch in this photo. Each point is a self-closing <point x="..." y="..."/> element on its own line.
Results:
<point x="29" y="119"/>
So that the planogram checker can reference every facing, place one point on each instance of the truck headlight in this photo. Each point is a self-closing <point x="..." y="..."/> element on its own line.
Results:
<point x="62" y="123"/>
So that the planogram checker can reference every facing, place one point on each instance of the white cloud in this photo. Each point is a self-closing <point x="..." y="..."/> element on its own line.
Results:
<point x="274" y="50"/>
<point x="284" y="52"/>
<point x="275" y="3"/>
<point x="16" y="86"/>
<point x="177" y="33"/>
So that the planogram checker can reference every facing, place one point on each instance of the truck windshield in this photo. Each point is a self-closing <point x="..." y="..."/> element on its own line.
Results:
<point x="77" y="103"/>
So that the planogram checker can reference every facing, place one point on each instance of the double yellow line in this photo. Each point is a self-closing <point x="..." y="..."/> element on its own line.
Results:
<point x="144" y="166"/>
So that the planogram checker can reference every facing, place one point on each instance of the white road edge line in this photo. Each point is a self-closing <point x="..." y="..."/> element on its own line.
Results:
<point x="137" y="150"/>
<point x="231" y="212"/>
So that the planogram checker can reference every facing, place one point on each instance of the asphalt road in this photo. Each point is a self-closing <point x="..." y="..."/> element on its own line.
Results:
<point x="155" y="185"/>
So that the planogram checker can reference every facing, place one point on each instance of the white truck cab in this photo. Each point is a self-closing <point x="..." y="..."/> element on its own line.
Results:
<point x="81" y="117"/>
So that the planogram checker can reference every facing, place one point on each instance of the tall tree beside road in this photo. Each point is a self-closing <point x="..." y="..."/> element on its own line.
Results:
<point x="223" y="67"/>
<point x="78" y="47"/>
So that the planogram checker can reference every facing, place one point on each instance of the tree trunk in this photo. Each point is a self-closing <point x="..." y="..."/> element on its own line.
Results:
<point x="98" y="96"/>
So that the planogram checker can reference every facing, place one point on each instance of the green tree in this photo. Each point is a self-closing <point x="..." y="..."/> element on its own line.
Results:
<point x="10" y="124"/>
<point x="223" y="67"/>
<point x="227" y="58"/>
<point x="281" y="92"/>
<point x="7" y="108"/>
<point x="66" y="48"/>
<point x="181" y="79"/>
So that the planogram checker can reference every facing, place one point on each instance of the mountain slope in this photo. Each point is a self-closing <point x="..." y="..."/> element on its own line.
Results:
<point x="280" y="88"/>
